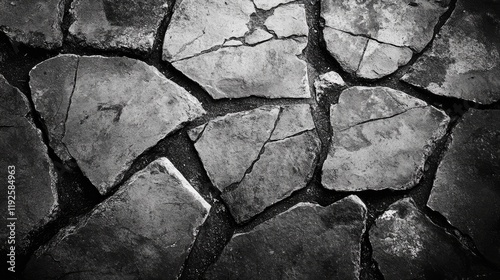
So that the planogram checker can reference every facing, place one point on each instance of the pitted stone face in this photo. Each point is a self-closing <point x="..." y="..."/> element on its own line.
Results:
<point x="143" y="231"/>
<point x="464" y="60"/>
<point x="372" y="39"/>
<point x="224" y="48"/>
<point x="104" y="112"/>
<point x="257" y="158"/>
<point x="381" y="139"/>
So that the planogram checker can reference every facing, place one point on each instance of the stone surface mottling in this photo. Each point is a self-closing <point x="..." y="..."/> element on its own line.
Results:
<point x="266" y="154"/>
<point x="381" y="139"/>
<point x="288" y="20"/>
<point x="34" y="178"/>
<point x="34" y="23"/>
<point x="117" y="24"/>
<point x="464" y="60"/>
<point x="383" y="34"/>
<point x="306" y="242"/>
<point x="407" y="245"/>
<point x="144" y="231"/>
<point x="467" y="186"/>
<point x="118" y="107"/>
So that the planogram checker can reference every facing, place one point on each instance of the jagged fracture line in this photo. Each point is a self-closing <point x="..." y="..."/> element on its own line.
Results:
<point x="70" y="98"/>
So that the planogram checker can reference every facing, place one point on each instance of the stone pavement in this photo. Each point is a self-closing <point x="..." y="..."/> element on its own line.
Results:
<point x="250" y="139"/>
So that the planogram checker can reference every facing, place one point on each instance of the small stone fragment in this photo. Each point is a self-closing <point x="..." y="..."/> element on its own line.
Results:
<point x="199" y="25"/>
<point x="380" y="60"/>
<point x="464" y="60"/>
<point x="34" y="23"/>
<point x="407" y="245"/>
<point x="271" y="69"/>
<point x="269" y="4"/>
<point x="328" y="80"/>
<point x="266" y="154"/>
<point x="232" y="43"/>
<point x="288" y="20"/>
<point x="234" y="142"/>
<point x="257" y="36"/>
<point x="117" y="24"/>
<point x="306" y="242"/>
<point x="118" y="107"/>
<point x="284" y="167"/>
<point x="28" y="176"/>
<point x="381" y="139"/>
<point x="144" y="231"/>
<point x="467" y="186"/>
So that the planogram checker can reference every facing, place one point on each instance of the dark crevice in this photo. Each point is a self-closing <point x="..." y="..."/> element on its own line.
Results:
<point x="155" y="56"/>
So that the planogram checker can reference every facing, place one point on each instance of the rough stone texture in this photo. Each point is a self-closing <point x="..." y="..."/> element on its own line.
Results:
<point x="34" y="23"/>
<point x="34" y="180"/>
<point x="464" y="59"/>
<point x="266" y="154"/>
<point x="269" y="4"/>
<point x="144" y="231"/>
<point x="116" y="24"/>
<point x="381" y="139"/>
<point x="376" y="25"/>
<point x="407" y="245"/>
<point x="111" y="117"/>
<point x="285" y="166"/>
<point x="270" y="69"/>
<point x="288" y="20"/>
<point x="327" y="80"/>
<point x="467" y="186"/>
<point x="199" y="25"/>
<point x="195" y="43"/>
<point x="306" y="242"/>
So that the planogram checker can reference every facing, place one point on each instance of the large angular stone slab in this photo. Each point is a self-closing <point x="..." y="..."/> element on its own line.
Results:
<point x="384" y="34"/>
<point x="32" y="182"/>
<point x="407" y="245"/>
<point x="117" y="24"/>
<point x="467" y="186"/>
<point x="144" y="231"/>
<point x="306" y="242"/>
<point x="266" y="154"/>
<point x="464" y="60"/>
<point x="381" y="139"/>
<point x="34" y="23"/>
<point x="222" y="48"/>
<point x="112" y="111"/>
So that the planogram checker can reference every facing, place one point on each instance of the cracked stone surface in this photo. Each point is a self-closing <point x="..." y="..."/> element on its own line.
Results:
<point x="381" y="139"/>
<point x="327" y="80"/>
<point x="21" y="145"/>
<point x="469" y="178"/>
<point x="307" y="241"/>
<point x="195" y="45"/>
<point x="143" y="231"/>
<point x="116" y="24"/>
<point x="101" y="110"/>
<point x="34" y="23"/>
<point x="267" y="153"/>
<point x="408" y="245"/>
<point x="464" y="60"/>
<point x="372" y="39"/>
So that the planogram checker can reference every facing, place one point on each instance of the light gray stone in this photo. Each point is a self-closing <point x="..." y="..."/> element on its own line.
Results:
<point x="464" y="60"/>
<point x="381" y="139"/>
<point x="306" y="242"/>
<point x="117" y="108"/>
<point x="270" y="69"/>
<point x="117" y="24"/>
<point x="467" y="186"/>
<point x="391" y="29"/>
<point x="284" y="167"/>
<point x="266" y="154"/>
<point x="144" y="231"/>
<point x="328" y="80"/>
<point x="26" y="166"/>
<point x="257" y="36"/>
<point x="288" y="20"/>
<point x="199" y="25"/>
<point x="34" y="23"/>
<point x="269" y="4"/>
<point x="407" y="245"/>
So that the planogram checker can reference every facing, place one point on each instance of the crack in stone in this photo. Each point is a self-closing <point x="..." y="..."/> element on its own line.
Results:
<point x="381" y="118"/>
<point x="291" y="136"/>
<point x="70" y="99"/>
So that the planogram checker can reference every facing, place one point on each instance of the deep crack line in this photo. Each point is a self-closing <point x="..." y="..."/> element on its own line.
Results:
<point x="75" y="79"/>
